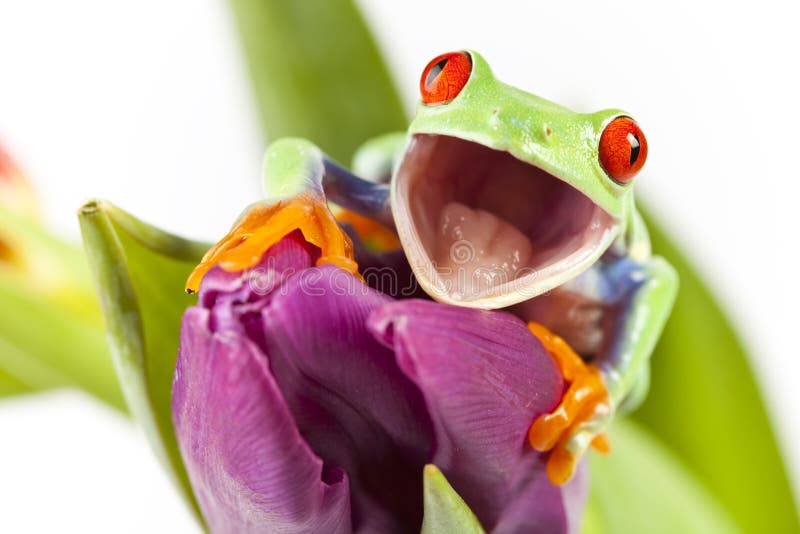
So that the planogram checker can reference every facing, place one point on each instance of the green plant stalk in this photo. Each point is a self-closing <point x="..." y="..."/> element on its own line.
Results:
<point x="139" y="273"/>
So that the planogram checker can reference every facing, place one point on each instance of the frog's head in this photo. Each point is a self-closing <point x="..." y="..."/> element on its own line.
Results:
<point x="502" y="195"/>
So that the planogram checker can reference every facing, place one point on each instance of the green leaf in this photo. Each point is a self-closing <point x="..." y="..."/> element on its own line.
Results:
<point x="22" y="342"/>
<point x="705" y="404"/>
<point x="445" y="510"/>
<point x="140" y="273"/>
<point x="51" y="331"/>
<point x="10" y="386"/>
<point x="317" y="73"/>
<point x="642" y="487"/>
<point x="44" y="345"/>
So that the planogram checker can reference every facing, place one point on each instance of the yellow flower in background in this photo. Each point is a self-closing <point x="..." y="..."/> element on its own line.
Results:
<point x="16" y="196"/>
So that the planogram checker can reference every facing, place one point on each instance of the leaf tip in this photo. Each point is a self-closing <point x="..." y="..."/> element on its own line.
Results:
<point x="91" y="207"/>
<point x="445" y="510"/>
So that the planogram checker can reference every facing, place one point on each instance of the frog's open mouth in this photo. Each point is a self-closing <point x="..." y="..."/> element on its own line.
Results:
<point x="482" y="228"/>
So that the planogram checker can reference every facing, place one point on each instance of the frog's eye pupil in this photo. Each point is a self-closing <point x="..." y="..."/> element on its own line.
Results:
<point x="635" y="147"/>
<point x="623" y="149"/>
<point x="434" y="72"/>
<point x="444" y="77"/>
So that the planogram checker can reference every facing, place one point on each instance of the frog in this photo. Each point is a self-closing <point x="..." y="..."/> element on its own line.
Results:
<point x="500" y="200"/>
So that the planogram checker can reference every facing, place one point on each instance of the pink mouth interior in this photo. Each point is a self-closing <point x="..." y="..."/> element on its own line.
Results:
<point x="485" y="218"/>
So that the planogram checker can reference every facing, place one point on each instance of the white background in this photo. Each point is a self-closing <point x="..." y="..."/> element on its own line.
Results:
<point x="148" y="104"/>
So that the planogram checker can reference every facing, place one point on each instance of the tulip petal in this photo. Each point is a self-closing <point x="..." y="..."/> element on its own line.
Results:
<point x="538" y="506"/>
<point x="249" y="467"/>
<point x="350" y="400"/>
<point x="484" y="378"/>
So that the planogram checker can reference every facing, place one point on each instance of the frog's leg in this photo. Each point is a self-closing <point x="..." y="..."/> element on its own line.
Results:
<point x="297" y="179"/>
<point x="637" y="394"/>
<point x="643" y="290"/>
<point x="648" y="290"/>
<point x="374" y="161"/>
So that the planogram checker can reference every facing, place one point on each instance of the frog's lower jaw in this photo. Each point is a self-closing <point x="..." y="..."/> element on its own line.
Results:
<point x="484" y="229"/>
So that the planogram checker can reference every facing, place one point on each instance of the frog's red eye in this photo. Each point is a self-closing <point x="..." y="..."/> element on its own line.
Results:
<point x="623" y="149"/>
<point x="444" y="77"/>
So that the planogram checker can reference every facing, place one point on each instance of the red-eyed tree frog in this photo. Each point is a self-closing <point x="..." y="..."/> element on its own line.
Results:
<point x="500" y="199"/>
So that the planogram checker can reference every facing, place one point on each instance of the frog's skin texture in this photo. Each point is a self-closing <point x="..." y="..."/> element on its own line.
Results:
<point x="499" y="200"/>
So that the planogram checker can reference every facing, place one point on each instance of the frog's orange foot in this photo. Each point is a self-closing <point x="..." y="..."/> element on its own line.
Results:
<point x="372" y="233"/>
<point x="263" y="225"/>
<point x="583" y="409"/>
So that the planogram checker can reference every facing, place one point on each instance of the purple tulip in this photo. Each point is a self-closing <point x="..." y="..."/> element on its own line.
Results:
<point x="305" y="401"/>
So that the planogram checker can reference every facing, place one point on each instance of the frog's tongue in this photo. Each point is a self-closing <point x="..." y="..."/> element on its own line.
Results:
<point x="477" y="250"/>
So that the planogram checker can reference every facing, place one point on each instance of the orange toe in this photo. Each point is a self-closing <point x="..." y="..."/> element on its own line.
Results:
<point x="560" y="466"/>
<point x="601" y="444"/>
<point x="585" y="396"/>
<point x="264" y="225"/>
